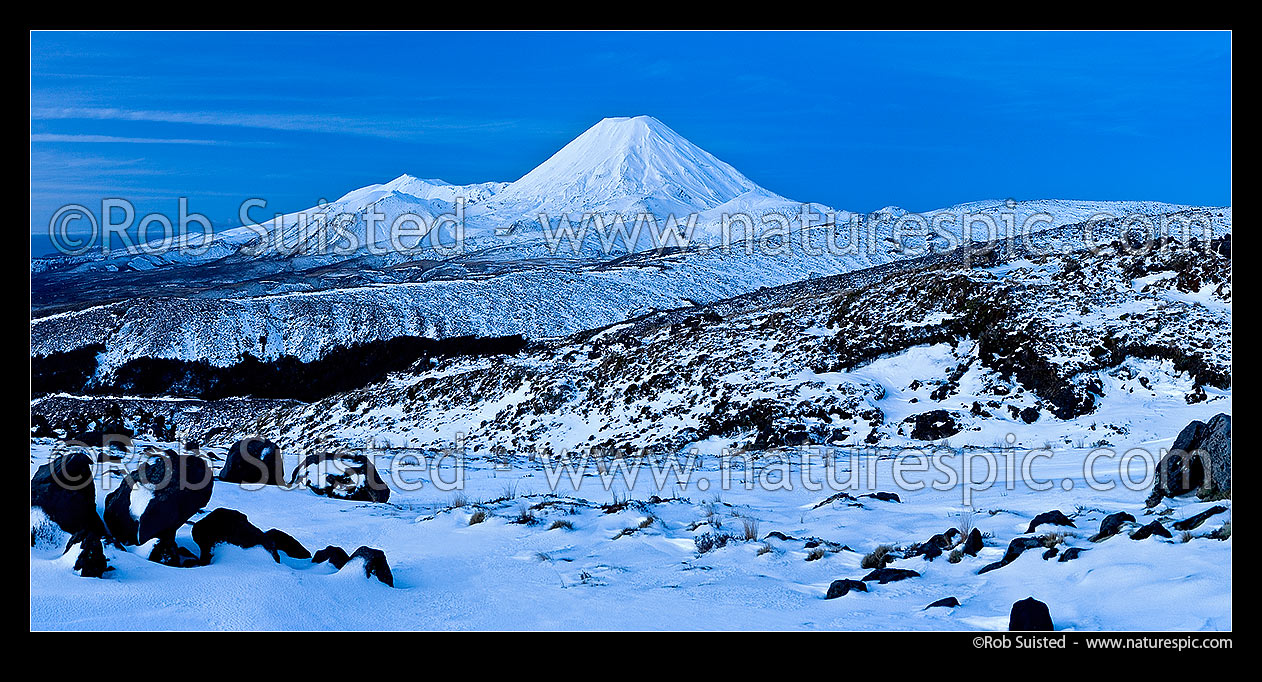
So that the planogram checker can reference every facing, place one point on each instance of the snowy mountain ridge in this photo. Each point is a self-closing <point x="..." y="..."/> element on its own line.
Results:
<point x="622" y="167"/>
<point x="226" y="303"/>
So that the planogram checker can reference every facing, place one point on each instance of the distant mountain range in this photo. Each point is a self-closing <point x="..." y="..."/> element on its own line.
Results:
<point x="234" y="299"/>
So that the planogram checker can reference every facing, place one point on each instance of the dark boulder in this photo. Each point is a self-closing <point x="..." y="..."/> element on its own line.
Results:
<point x="933" y="425"/>
<point x="1199" y="460"/>
<point x="1015" y="549"/>
<point x="284" y="542"/>
<point x="932" y="548"/>
<point x="168" y="552"/>
<point x="1019" y="545"/>
<point x="1054" y="517"/>
<point x="1030" y="615"/>
<point x="333" y="554"/>
<point x="1195" y="521"/>
<point x="889" y="575"/>
<point x="1112" y="525"/>
<point x="883" y="496"/>
<point x="375" y="565"/>
<point x="1070" y="554"/>
<point x="973" y="544"/>
<point x="1050" y="553"/>
<point x="342" y="475"/>
<point x="166" y="490"/>
<point x="840" y="588"/>
<point x="228" y="526"/>
<point x="1153" y="528"/>
<point x="948" y="602"/>
<point x="65" y="491"/>
<point x="945" y="539"/>
<point x="254" y="460"/>
<point x="90" y="559"/>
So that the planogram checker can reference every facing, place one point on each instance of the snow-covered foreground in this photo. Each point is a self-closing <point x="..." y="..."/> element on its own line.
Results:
<point x="627" y="557"/>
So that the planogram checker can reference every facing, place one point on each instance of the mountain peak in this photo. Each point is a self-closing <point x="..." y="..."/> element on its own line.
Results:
<point x="618" y="132"/>
<point x="641" y="122"/>
<point x="630" y="164"/>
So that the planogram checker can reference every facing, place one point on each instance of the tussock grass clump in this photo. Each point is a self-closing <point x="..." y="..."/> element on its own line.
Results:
<point x="525" y="516"/>
<point x="956" y="556"/>
<point x="715" y="521"/>
<point x="561" y="524"/>
<point x="631" y="530"/>
<point x="458" y="501"/>
<point x="477" y="517"/>
<point x="619" y="503"/>
<point x="966" y="522"/>
<point x="877" y="558"/>
<point x="750" y="529"/>
<point x="765" y="548"/>
<point x="816" y="554"/>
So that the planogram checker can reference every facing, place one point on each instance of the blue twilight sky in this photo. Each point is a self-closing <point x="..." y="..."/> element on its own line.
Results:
<point x="853" y="120"/>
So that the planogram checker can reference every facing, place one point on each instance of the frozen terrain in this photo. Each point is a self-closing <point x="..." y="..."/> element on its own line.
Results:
<point x="638" y="434"/>
<point x="594" y="573"/>
<point x="597" y="462"/>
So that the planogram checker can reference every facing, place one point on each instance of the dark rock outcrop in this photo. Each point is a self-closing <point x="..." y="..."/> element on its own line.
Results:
<point x="90" y="559"/>
<point x="932" y="548"/>
<point x="333" y="554"/>
<point x="889" y="575"/>
<point x="228" y="526"/>
<point x="1015" y="549"/>
<point x="1199" y="460"/>
<point x="1070" y="554"/>
<point x="1195" y="521"/>
<point x="933" y="425"/>
<point x="973" y="544"/>
<point x="375" y="564"/>
<point x="1030" y="615"/>
<point x="175" y="486"/>
<point x="284" y="542"/>
<point x="948" y="602"/>
<point x="254" y="460"/>
<point x="1112" y="525"/>
<point x="1153" y="528"/>
<point x="840" y="588"/>
<point x="1054" y="517"/>
<point x="168" y="552"/>
<point x="342" y="475"/>
<point x="65" y="491"/>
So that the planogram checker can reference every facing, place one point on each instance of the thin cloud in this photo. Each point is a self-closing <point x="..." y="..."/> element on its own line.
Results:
<point x="392" y="128"/>
<point x="51" y="137"/>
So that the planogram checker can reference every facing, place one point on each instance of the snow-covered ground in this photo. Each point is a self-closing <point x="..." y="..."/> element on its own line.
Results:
<point x="835" y="333"/>
<point x="609" y="555"/>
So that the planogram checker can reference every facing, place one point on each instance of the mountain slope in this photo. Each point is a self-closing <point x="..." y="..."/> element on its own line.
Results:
<point x="1078" y="347"/>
